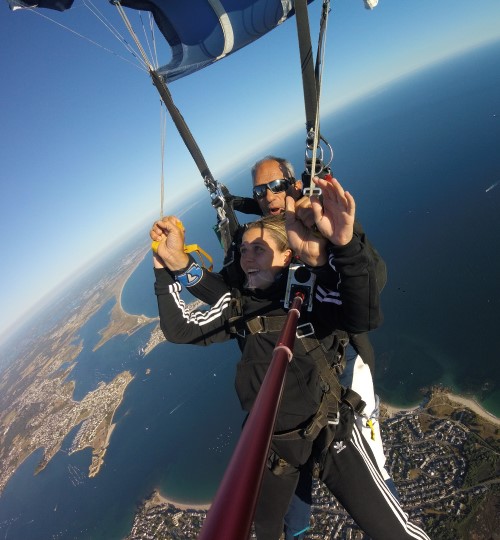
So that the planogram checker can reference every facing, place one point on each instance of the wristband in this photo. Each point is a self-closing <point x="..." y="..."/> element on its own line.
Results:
<point x="190" y="276"/>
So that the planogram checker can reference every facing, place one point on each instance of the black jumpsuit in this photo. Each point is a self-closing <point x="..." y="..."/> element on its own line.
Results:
<point x="346" y="298"/>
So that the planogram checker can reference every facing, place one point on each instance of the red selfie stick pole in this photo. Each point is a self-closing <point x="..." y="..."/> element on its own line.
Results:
<point x="231" y="514"/>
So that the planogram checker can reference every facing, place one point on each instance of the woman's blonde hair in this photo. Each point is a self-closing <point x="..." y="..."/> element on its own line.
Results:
<point x="275" y="225"/>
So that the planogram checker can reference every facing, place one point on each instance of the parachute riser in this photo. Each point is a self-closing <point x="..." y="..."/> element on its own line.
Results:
<point x="323" y="153"/>
<point x="227" y="223"/>
<point x="315" y="162"/>
<point x="180" y="124"/>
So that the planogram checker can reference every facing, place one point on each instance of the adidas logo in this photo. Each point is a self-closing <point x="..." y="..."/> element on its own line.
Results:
<point x="339" y="446"/>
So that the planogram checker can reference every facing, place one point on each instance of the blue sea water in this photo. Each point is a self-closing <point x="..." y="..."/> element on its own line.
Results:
<point x="138" y="296"/>
<point x="424" y="175"/>
<point x="420" y="156"/>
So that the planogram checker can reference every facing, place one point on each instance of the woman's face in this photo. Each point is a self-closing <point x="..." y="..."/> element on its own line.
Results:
<point x="261" y="259"/>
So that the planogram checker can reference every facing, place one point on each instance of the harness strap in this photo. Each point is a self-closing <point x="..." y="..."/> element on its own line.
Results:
<point x="328" y="370"/>
<point x="333" y="392"/>
<point x="328" y="373"/>
<point x="255" y="325"/>
<point x="261" y="324"/>
<point x="353" y="399"/>
<point x="312" y="430"/>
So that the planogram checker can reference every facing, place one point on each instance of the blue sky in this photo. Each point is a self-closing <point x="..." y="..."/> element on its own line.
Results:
<point x="80" y="126"/>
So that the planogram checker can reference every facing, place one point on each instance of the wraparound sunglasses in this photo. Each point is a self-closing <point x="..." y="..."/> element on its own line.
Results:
<point x="276" y="186"/>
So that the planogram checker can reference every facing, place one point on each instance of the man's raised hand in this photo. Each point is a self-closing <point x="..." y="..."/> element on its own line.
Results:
<point x="334" y="214"/>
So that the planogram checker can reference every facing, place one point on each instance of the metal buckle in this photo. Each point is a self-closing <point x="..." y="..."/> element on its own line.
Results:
<point x="256" y="325"/>
<point x="308" y="330"/>
<point x="336" y="419"/>
<point x="311" y="191"/>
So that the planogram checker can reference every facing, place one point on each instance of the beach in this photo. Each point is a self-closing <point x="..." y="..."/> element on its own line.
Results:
<point x="120" y="321"/>
<point x="455" y="399"/>
<point x="395" y="409"/>
<point x="158" y="499"/>
<point x="474" y="406"/>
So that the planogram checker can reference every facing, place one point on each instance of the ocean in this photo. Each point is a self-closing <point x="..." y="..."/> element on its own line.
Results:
<point x="421" y="158"/>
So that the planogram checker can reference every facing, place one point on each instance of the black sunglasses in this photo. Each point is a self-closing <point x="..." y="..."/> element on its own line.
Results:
<point x="276" y="186"/>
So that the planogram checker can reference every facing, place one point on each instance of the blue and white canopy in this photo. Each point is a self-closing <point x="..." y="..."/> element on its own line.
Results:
<point x="199" y="32"/>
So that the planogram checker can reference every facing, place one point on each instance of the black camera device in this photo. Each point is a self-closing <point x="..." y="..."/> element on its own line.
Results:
<point x="300" y="280"/>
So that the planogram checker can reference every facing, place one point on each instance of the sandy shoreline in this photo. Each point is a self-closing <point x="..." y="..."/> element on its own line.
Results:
<point x="121" y="322"/>
<point x="470" y="403"/>
<point x="474" y="406"/>
<point x="158" y="498"/>
<point x="128" y="275"/>
<point x="394" y="409"/>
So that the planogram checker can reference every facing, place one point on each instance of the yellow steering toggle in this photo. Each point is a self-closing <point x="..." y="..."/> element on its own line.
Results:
<point x="191" y="248"/>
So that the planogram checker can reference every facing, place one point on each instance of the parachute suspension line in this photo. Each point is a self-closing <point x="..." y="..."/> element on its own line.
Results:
<point x="132" y="33"/>
<point x="77" y="34"/>
<point x="146" y="37"/>
<point x="227" y="222"/>
<point x="163" y="133"/>
<point x="226" y="218"/>
<point x="153" y="40"/>
<point x="306" y="62"/>
<point x="320" y="54"/>
<point x="107" y="24"/>
<point x="191" y="248"/>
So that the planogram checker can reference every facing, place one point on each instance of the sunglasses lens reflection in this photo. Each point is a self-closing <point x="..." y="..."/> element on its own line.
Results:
<point x="276" y="186"/>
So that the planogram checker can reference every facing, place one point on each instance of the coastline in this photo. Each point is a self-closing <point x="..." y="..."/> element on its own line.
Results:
<point x="474" y="406"/>
<point x="468" y="402"/>
<point x="127" y="276"/>
<point x="120" y="321"/>
<point x="396" y="409"/>
<point x="158" y="499"/>
<point x="455" y="401"/>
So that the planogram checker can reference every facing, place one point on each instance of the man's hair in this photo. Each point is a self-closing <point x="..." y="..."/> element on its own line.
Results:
<point x="285" y="166"/>
<point x="275" y="225"/>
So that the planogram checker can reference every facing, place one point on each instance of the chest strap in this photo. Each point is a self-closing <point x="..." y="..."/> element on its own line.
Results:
<point x="329" y="369"/>
<point x="261" y="324"/>
<point x="256" y="325"/>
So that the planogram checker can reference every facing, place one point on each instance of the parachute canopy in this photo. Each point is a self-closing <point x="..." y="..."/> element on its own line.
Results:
<point x="199" y="32"/>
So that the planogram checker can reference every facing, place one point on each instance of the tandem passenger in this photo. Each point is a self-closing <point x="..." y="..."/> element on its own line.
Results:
<point x="345" y="272"/>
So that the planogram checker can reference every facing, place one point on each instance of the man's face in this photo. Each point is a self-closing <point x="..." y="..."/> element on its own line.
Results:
<point x="274" y="203"/>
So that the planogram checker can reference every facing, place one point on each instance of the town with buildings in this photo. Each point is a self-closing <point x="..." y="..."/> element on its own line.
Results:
<point x="443" y="457"/>
<point x="58" y="416"/>
<point x="37" y="409"/>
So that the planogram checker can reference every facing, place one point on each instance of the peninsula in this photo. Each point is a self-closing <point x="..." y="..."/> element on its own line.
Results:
<point x="37" y="409"/>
